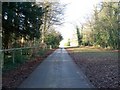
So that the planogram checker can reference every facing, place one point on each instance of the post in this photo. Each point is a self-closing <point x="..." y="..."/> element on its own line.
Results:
<point x="21" y="54"/>
<point x="50" y="46"/>
<point x="2" y="59"/>
<point x="13" y="56"/>
<point x="1" y="52"/>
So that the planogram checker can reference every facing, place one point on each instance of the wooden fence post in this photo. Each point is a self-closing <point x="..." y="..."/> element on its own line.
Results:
<point x="21" y="54"/>
<point x="2" y="59"/>
<point x="13" y="56"/>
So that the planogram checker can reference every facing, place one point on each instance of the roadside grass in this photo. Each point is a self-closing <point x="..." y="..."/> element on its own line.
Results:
<point x="20" y="59"/>
<point x="99" y="65"/>
<point x="42" y="52"/>
<point x="14" y="77"/>
<point x="89" y="49"/>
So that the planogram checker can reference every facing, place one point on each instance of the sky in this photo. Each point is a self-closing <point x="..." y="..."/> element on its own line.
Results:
<point x="76" y="11"/>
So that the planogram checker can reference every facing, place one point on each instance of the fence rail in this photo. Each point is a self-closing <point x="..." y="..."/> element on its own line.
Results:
<point x="16" y="49"/>
<point x="4" y="50"/>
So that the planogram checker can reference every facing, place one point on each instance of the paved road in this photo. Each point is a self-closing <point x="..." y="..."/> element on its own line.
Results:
<point x="57" y="71"/>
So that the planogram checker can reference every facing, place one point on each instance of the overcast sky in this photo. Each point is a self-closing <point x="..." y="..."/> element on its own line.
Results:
<point x="75" y="12"/>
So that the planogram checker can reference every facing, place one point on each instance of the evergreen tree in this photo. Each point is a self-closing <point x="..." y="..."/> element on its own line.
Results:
<point x="20" y="19"/>
<point x="79" y="36"/>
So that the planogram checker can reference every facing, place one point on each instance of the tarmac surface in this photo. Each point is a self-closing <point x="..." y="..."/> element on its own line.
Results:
<point x="58" y="70"/>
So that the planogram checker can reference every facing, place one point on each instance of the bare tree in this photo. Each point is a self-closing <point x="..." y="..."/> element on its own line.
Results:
<point x="53" y="15"/>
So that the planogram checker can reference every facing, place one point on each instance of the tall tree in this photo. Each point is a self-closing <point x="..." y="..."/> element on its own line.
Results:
<point x="79" y="36"/>
<point x="53" y="16"/>
<point x="20" y="19"/>
<point x="105" y="26"/>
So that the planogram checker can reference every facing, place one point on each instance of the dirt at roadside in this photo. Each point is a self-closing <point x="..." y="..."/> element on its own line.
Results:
<point x="100" y="68"/>
<point x="13" y="78"/>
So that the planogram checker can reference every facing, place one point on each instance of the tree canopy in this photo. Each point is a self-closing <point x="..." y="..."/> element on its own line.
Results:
<point x="103" y="25"/>
<point x="28" y="20"/>
<point x="53" y="38"/>
<point x="20" y="19"/>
